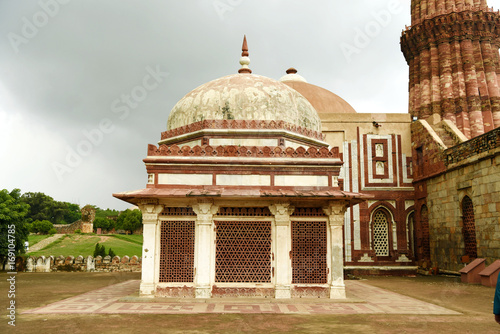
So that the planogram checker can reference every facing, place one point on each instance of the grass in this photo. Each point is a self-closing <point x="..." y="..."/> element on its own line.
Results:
<point x="35" y="238"/>
<point x="77" y="244"/>
<point x="136" y="239"/>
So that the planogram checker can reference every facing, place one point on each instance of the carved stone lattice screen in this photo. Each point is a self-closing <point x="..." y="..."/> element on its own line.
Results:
<point x="426" y="243"/>
<point x="250" y="211"/>
<point x="380" y="234"/>
<point x="469" y="229"/>
<point x="243" y="252"/>
<point x="177" y="251"/>
<point x="309" y="244"/>
<point x="308" y="212"/>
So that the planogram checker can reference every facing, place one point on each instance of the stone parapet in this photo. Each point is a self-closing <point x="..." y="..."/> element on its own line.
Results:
<point x="79" y="263"/>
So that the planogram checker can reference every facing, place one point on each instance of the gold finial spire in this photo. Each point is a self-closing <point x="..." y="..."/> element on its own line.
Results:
<point x="244" y="60"/>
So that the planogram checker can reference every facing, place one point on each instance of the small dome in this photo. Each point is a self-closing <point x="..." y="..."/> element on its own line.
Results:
<point x="244" y="97"/>
<point x="322" y="99"/>
<point x="291" y="75"/>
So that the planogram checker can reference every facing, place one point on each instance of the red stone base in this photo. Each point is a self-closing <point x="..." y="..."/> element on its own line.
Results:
<point x="180" y="292"/>
<point x="310" y="292"/>
<point x="218" y="292"/>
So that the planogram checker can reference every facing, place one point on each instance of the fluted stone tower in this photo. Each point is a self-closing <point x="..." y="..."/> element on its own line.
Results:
<point x="452" y="51"/>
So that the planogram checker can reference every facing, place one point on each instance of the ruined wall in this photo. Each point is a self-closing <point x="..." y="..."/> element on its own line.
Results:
<point x="473" y="170"/>
<point x="85" y="225"/>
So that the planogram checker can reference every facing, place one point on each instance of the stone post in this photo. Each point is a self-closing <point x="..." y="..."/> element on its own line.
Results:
<point x="335" y="212"/>
<point x="283" y="247"/>
<point x="150" y="220"/>
<point x="203" y="248"/>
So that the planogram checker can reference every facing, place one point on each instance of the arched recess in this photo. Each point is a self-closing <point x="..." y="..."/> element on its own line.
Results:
<point x="382" y="232"/>
<point x="411" y="230"/>
<point x="469" y="228"/>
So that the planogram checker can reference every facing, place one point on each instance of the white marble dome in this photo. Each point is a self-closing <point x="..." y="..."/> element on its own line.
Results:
<point x="244" y="97"/>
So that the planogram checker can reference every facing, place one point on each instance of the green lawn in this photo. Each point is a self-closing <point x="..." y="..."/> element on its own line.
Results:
<point x="75" y="244"/>
<point x="34" y="238"/>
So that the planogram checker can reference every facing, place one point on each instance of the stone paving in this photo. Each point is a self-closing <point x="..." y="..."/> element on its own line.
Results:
<point x="362" y="299"/>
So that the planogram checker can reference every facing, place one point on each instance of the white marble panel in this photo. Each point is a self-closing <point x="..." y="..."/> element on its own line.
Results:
<point x="301" y="180"/>
<point x="243" y="180"/>
<point x="185" y="179"/>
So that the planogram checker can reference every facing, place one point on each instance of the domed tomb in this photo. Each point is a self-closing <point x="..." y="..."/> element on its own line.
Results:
<point x="244" y="97"/>
<point x="322" y="99"/>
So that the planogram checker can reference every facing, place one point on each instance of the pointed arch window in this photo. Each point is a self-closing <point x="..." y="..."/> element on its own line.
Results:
<point x="380" y="233"/>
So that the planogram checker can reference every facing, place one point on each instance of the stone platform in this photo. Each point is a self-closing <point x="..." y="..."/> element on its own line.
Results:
<point x="121" y="299"/>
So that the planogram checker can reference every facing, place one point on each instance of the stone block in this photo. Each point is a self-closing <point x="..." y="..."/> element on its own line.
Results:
<point x="489" y="275"/>
<point x="470" y="273"/>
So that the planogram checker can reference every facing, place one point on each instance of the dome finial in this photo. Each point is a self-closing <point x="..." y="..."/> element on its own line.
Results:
<point x="244" y="60"/>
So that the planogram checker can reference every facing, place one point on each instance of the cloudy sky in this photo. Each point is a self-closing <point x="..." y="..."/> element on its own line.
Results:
<point x="85" y="85"/>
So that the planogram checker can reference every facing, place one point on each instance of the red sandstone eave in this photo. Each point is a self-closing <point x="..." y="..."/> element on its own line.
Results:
<point x="327" y="162"/>
<point x="234" y="193"/>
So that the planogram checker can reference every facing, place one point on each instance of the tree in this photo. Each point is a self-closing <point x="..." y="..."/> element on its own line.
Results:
<point x="129" y="220"/>
<point x="44" y="207"/>
<point x="100" y="213"/>
<point x="42" y="227"/>
<point x="72" y="212"/>
<point x="13" y="225"/>
<point x="104" y="223"/>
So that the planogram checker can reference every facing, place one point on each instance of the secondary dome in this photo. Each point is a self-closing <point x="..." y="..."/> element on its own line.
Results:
<point x="322" y="99"/>
<point x="244" y="96"/>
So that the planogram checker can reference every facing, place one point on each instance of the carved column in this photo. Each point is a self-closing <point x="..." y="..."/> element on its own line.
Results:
<point x="203" y="248"/>
<point x="283" y="247"/>
<point x="150" y="221"/>
<point x="335" y="212"/>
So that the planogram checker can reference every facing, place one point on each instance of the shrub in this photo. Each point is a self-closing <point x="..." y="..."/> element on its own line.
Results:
<point x="99" y="250"/>
<point x="52" y="231"/>
<point x="42" y="227"/>
<point x="111" y="253"/>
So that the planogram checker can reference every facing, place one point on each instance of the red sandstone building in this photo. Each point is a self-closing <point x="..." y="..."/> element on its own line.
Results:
<point x="273" y="188"/>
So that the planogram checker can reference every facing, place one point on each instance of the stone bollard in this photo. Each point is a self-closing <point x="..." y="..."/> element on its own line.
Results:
<point x="30" y="267"/>
<point x="90" y="263"/>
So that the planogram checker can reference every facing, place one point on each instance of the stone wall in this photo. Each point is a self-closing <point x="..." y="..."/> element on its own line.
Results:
<point x="85" y="225"/>
<point x="473" y="170"/>
<point x="72" y="228"/>
<point x="79" y="263"/>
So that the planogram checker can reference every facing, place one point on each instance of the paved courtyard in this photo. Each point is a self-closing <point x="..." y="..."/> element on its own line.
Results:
<point x="362" y="299"/>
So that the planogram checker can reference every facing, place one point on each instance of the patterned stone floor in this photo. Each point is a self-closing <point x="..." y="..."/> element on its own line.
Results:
<point x="362" y="299"/>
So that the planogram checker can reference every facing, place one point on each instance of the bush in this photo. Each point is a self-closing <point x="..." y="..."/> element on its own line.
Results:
<point x="99" y="250"/>
<point x="78" y="231"/>
<point x="42" y="227"/>
<point x="52" y="231"/>
<point x="111" y="253"/>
